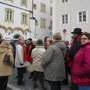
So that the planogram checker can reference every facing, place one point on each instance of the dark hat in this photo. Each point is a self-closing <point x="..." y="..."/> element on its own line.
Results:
<point x="77" y="31"/>
<point x="30" y="39"/>
<point x="40" y="42"/>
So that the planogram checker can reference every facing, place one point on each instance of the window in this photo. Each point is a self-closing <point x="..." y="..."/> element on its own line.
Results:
<point x="34" y="6"/>
<point x="24" y="18"/>
<point x="9" y="15"/>
<point x="43" y="23"/>
<point x="50" y="27"/>
<point x="51" y="11"/>
<point x="82" y="16"/>
<point x="24" y="3"/>
<point x="11" y="0"/>
<point x="50" y="1"/>
<point x="65" y="19"/>
<point x="36" y="22"/>
<point x="63" y="1"/>
<point x="43" y="8"/>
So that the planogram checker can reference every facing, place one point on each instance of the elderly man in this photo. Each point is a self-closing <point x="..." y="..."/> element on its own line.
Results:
<point x="53" y="62"/>
<point x="21" y="60"/>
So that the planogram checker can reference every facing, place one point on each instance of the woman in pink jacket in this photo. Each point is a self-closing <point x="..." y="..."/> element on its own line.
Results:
<point x="80" y="73"/>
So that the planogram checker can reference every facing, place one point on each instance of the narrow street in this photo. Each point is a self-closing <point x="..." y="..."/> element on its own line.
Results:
<point x="12" y="84"/>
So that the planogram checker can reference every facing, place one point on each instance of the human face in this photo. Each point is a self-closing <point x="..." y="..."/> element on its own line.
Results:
<point x="75" y="35"/>
<point x="84" y="39"/>
<point x="26" y="41"/>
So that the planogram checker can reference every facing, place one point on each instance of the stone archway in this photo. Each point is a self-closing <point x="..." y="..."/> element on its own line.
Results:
<point x="16" y="36"/>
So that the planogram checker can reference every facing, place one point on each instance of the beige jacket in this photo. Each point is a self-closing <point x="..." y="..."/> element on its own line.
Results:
<point x="5" y="70"/>
<point x="36" y="56"/>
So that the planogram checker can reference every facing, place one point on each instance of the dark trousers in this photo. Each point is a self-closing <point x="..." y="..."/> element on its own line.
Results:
<point x="3" y="82"/>
<point x="55" y="85"/>
<point x="38" y="75"/>
<point x="66" y="70"/>
<point x="74" y="86"/>
<point x="20" y="74"/>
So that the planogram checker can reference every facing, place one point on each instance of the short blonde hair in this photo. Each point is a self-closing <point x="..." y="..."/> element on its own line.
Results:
<point x="57" y="36"/>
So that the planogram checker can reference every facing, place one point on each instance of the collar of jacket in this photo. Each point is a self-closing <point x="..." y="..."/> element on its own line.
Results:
<point x="83" y="45"/>
<point x="57" y="41"/>
<point x="4" y="48"/>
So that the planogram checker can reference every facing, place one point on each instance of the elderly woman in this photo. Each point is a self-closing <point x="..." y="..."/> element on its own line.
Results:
<point x="5" y="70"/>
<point x="81" y="65"/>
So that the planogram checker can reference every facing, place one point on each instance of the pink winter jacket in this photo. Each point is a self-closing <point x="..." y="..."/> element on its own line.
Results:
<point x="80" y="73"/>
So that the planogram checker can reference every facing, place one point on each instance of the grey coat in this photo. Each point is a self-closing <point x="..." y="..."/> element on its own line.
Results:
<point x="53" y="61"/>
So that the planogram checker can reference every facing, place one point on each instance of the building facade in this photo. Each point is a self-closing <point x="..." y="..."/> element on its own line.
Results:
<point x="15" y="19"/>
<point x="70" y="14"/>
<point x="43" y="13"/>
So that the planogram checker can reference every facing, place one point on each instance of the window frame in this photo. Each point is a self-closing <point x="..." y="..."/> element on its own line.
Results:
<point x="11" y="1"/>
<point x="35" y="5"/>
<point x="51" y="11"/>
<point x="36" y="23"/>
<point x="41" y="24"/>
<point x="65" y="19"/>
<point x="50" y="25"/>
<point x="51" y="1"/>
<point x="8" y="20"/>
<point x="43" y="5"/>
<point x="64" y="1"/>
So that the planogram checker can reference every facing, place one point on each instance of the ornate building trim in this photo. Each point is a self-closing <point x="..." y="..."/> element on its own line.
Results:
<point x="13" y="29"/>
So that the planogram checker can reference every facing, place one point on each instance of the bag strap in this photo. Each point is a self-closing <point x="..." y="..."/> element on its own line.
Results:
<point x="59" y="49"/>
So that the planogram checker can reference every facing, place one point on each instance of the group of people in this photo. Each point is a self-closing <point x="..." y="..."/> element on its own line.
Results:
<point x="51" y="59"/>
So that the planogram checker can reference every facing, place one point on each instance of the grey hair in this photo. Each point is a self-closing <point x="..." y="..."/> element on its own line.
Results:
<point x="20" y="37"/>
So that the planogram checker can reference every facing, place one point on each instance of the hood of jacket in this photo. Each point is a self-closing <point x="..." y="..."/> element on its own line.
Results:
<point x="60" y="44"/>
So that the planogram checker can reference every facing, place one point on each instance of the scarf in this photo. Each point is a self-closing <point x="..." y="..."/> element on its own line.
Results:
<point x="24" y="51"/>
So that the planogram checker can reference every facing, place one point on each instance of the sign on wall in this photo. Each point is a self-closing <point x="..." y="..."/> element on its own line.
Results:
<point x="64" y="30"/>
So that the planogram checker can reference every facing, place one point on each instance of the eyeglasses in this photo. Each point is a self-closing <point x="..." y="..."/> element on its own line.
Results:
<point x="84" y="38"/>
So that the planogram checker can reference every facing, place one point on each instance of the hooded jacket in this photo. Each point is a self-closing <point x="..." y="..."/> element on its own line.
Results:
<point x="53" y="61"/>
<point x="73" y="50"/>
<point x="19" y="59"/>
<point x="5" y="70"/>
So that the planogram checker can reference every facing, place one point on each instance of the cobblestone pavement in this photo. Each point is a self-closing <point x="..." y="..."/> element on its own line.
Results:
<point x="12" y="83"/>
